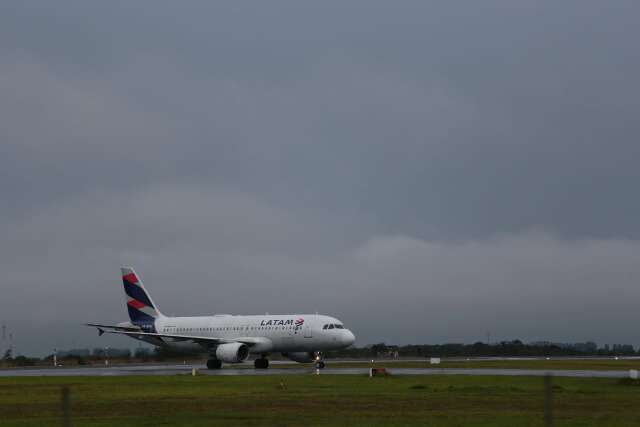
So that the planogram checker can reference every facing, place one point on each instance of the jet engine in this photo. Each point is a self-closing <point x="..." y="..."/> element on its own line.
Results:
<point x="232" y="353"/>
<point x="301" y="356"/>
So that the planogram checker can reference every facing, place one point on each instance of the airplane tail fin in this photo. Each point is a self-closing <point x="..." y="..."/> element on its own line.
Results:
<point x="142" y="310"/>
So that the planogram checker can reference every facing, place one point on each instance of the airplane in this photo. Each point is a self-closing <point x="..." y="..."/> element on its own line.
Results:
<point x="228" y="338"/>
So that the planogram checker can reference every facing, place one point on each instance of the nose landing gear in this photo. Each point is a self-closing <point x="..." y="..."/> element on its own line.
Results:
<point x="318" y="361"/>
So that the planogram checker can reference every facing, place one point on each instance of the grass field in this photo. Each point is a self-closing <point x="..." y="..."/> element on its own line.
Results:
<point x="317" y="400"/>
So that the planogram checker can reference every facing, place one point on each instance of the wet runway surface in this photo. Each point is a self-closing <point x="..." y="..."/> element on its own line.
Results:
<point x="187" y="369"/>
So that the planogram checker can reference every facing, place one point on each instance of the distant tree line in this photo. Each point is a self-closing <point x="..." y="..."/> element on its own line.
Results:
<point x="480" y="349"/>
<point x="85" y="356"/>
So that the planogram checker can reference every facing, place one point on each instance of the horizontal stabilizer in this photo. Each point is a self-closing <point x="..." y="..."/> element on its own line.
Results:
<point x="116" y="327"/>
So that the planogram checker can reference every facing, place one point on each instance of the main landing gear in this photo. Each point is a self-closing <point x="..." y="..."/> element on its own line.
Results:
<point x="214" y="364"/>
<point x="262" y="363"/>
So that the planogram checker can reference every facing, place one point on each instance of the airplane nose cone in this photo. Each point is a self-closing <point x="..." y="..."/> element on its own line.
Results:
<point x="348" y="338"/>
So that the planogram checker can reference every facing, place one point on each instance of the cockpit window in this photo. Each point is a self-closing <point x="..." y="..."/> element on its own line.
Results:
<point x="333" y="326"/>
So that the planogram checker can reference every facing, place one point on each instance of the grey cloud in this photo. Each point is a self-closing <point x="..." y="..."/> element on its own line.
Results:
<point x="474" y="162"/>
<point x="235" y="254"/>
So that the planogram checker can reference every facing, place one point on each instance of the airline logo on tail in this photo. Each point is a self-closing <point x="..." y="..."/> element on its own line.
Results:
<point x="142" y="311"/>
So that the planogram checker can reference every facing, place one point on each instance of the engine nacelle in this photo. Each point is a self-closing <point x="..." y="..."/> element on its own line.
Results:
<point x="301" y="356"/>
<point x="232" y="353"/>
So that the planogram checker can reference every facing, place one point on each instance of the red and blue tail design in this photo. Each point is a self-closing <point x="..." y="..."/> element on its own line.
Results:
<point x="142" y="310"/>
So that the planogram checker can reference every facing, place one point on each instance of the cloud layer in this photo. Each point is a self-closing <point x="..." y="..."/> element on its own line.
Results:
<point x="425" y="172"/>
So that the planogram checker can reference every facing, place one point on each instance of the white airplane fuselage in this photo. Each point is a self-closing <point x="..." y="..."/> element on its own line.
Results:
<point x="272" y="333"/>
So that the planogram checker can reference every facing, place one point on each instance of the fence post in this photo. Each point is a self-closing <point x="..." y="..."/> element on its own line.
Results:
<point x="66" y="406"/>
<point x="548" y="401"/>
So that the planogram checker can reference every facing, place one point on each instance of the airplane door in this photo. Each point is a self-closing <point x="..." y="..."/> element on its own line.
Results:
<point x="308" y="331"/>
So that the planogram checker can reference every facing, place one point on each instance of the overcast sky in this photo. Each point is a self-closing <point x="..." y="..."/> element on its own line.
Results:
<point x="427" y="172"/>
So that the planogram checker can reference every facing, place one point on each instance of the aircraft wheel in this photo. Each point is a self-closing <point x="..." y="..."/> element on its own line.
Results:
<point x="320" y="365"/>
<point x="261" y="363"/>
<point x="214" y="364"/>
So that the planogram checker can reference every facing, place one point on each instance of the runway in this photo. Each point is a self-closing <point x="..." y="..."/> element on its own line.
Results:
<point x="159" y="370"/>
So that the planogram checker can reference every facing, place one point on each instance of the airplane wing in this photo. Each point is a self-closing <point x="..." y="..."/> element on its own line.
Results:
<point x="204" y="341"/>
